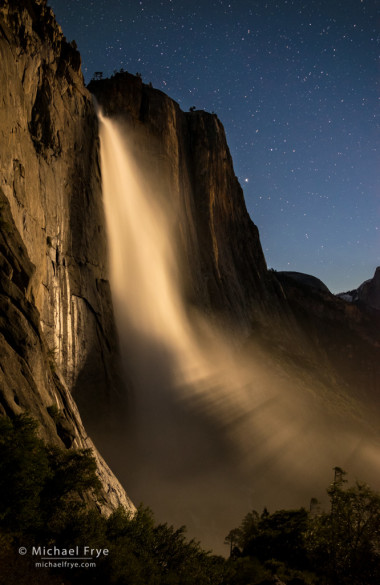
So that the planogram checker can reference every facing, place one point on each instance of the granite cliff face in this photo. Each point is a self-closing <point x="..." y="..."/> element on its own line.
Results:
<point x="29" y="378"/>
<point x="57" y="329"/>
<point x="50" y="176"/>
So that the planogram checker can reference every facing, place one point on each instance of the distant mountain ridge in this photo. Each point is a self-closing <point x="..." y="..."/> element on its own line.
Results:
<point x="368" y="293"/>
<point x="305" y="279"/>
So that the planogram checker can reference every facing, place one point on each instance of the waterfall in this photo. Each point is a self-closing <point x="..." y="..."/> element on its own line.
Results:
<point x="152" y="318"/>
<point x="212" y="435"/>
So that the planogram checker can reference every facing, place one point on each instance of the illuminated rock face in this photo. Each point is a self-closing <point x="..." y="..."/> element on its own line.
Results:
<point x="56" y="322"/>
<point x="50" y="176"/>
<point x="29" y="379"/>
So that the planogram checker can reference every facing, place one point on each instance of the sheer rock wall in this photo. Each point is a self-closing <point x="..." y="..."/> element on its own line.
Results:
<point x="57" y="332"/>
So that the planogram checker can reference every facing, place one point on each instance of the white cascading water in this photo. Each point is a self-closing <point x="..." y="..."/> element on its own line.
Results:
<point x="145" y="280"/>
<point x="212" y="436"/>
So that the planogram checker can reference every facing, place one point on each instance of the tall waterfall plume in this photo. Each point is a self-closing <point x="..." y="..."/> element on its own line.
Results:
<point x="211" y="434"/>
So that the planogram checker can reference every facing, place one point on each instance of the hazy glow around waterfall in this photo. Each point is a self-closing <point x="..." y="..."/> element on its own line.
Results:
<point x="144" y="276"/>
<point x="205" y="420"/>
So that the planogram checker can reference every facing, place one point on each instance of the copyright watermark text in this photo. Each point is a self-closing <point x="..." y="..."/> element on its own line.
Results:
<point x="70" y="558"/>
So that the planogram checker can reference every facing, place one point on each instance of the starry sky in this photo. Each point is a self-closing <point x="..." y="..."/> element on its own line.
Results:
<point x="295" y="84"/>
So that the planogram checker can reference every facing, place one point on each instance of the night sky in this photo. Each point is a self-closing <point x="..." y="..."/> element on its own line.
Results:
<point x="295" y="83"/>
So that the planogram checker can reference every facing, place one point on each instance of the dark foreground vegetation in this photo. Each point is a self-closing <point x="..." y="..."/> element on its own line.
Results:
<point x="44" y="501"/>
